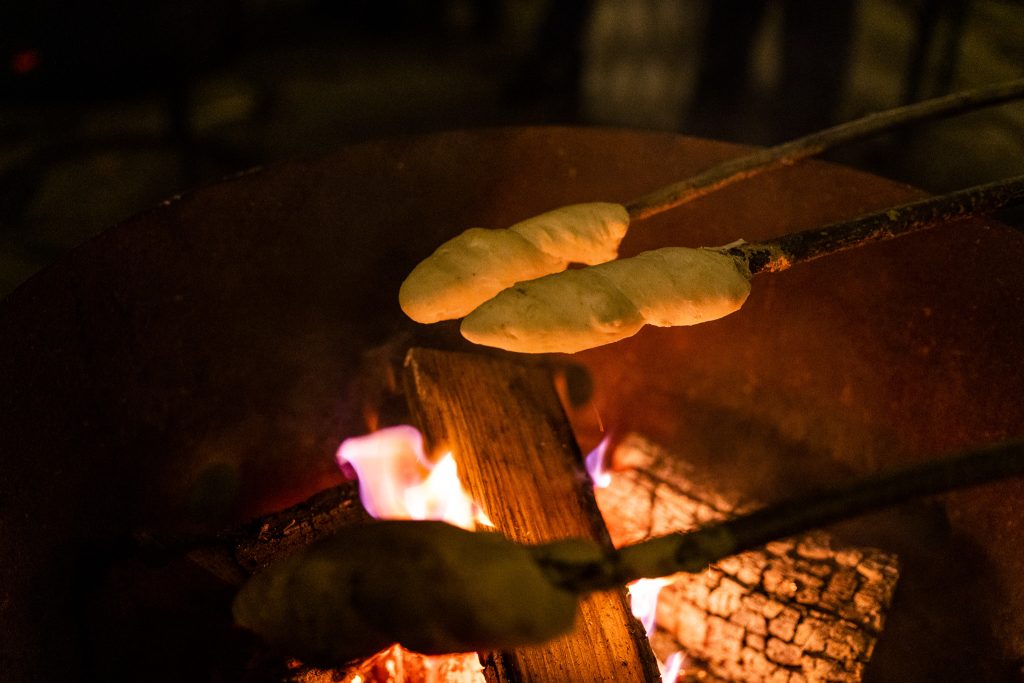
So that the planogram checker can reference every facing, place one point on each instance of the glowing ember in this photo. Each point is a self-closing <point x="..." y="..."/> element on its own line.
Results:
<point x="398" y="481"/>
<point x="601" y="477"/>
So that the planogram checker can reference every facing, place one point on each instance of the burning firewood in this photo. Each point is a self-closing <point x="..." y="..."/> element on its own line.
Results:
<point x="237" y="553"/>
<point x="519" y="461"/>
<point x="435" y="557"/>
<point x="581" y="309"/>
<point x="472" y="268"/>
<point x="803" y="603"/>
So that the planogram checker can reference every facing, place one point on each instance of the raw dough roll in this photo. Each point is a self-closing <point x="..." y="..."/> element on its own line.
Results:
<point x="471" y="268"/>
<point x="581" y="309"/>
<point x="430" y="586"/>
<point x="579" y="233"/>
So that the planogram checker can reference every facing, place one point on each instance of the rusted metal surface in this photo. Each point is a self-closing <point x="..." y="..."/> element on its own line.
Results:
<point x="200" y="363"/>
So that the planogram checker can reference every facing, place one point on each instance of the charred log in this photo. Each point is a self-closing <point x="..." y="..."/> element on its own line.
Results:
<point x="797" y="609"/>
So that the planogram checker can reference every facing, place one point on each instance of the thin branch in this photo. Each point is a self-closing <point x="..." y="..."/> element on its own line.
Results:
<point x="735" y="170"/>
<point x="780" y="253"/>
<point x="694" y="551"/>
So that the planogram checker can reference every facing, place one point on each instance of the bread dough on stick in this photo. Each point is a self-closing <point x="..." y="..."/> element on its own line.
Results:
<point x="579" y="233"/>
<point x="581" y="309"/>
<point x="471" y="268"/>
<point x="430" y="586"/>
<point x="565" y="312"/>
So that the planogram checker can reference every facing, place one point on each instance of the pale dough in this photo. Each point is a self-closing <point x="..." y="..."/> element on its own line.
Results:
<point x="580" y="233"/>
<point x="582" y="309"/>
<point x="430" y="586"/>
<point x="471" y="268"/>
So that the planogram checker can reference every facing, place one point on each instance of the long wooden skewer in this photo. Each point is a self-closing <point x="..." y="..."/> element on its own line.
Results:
<point x="694" y="551"/>
<point x="780" y="253"/>
<point x="735" y="170"/>
<point x="508" y="321"/>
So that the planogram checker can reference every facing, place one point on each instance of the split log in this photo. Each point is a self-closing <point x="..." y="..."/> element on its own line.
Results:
<point x="238" y="553"/>
<point x="798" y="609"/>
<point x="518" y="459"/>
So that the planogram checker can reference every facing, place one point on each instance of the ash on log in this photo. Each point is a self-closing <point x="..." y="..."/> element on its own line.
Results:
<point x="518" y="459"/>
<point x="798" y="609"/>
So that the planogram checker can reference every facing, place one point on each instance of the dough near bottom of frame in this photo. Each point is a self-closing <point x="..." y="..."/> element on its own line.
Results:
<point x="582" y="309"/>
<point x="430" y="586"/>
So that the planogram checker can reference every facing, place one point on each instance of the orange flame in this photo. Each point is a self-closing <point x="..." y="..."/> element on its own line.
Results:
<point x="398" y="481"/>
<point x="672" y="667"/>
<point x="643" y="600"/>
<point x="643" y="593"/>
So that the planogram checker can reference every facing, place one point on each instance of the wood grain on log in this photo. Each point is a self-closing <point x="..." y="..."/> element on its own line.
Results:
<point x="798" y="609"/>
<point x="518" y="459"/>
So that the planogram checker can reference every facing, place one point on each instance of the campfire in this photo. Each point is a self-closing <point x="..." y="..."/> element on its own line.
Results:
<point x="250" y="350"/>
<point x="800" y="605"/>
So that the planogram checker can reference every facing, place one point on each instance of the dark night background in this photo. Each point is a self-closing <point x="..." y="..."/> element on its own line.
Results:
<point x="107" y="108"/>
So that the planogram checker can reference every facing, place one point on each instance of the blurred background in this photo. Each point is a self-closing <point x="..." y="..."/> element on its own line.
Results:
<point x="107" y="107"/>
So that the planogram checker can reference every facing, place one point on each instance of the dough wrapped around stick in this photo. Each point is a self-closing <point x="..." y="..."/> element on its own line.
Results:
<point x="471" y="268"/>
<point x="581" y="309"/>
<point x="432" y="587"/>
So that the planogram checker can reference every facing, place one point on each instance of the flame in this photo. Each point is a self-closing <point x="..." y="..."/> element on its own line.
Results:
<point x="672" y="667"/>
<point x="643" y="593"/>
<point x="643" y="600"/>
<point x="442" y="497"/>
<point x="398" y="481"/>
<point x="601" y="477"/>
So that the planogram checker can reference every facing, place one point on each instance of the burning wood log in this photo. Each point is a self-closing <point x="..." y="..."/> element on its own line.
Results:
<point x="346" y="596"/>
<point x="238" y="553"/>
<point x="797" y="604"/>
<point x="388" y="556"/>
<point x="519" y="460"/>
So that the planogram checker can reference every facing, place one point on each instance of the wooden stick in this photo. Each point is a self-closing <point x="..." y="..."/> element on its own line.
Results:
<point x="735" y="170"/>
<point x="518" y="459"/>
<point x="780" y="253"/>
<point x="694" y="551"/>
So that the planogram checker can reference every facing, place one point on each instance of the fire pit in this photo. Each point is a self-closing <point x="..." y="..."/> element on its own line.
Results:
<point x="199" y="365"/>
